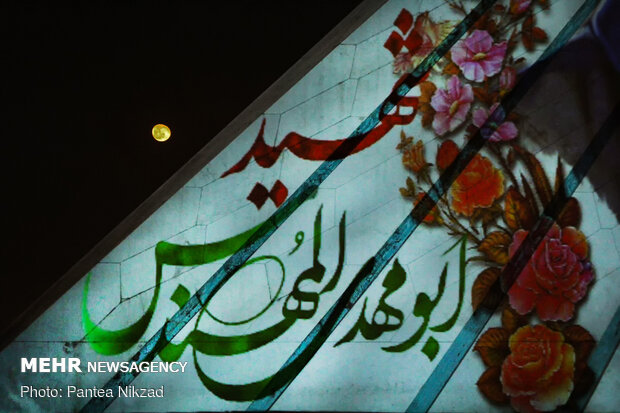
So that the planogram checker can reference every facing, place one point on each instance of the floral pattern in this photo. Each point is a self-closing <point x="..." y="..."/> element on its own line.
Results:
<point x="538" y="374"/>
<point x="556" y="277"/>
<point x="451" y="105"/>
<point x="431" y="33"/>
<point x="505" y="131"/>
<point x="402" y="63"/>
<point x="478" y="57"/>
<point x="478" y="186"/>
<point x="495" y="202"/>
<point x="413" y="158"/>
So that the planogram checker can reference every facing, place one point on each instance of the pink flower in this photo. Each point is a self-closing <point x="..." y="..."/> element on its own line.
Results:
<point x="519" y="6"/>
<point x="451" y="105"/>
<point x="507" y="79"/>
<point x="496" y="130"/>
<point x="478" y="57"/>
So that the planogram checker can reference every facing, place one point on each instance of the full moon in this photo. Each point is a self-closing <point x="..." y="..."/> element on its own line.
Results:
<point x="161" y="132"/>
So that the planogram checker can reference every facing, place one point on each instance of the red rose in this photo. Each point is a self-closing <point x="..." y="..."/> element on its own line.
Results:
<point x="556" y="276"/>
<point x="538" y="373"/>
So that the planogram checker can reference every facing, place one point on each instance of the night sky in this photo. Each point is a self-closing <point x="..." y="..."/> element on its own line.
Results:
<point x="85" y="83"/>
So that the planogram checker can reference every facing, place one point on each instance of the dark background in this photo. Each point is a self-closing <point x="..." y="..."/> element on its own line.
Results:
<point x="84" y="84"/>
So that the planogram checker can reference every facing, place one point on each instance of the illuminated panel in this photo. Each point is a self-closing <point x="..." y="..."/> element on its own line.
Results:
<point x="391" y="341"/>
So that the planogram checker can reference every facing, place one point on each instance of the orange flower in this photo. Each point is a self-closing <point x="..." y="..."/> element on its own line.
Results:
<point x="413" y="158"/>
<point x="433" y="215"/>
<point x="478" y="186"/>
<point x="538" y="373"/>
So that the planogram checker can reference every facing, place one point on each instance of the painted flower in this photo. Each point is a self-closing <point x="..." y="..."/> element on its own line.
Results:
<point x="478" y="57"/>
<point x="413" y="158"/>
<point x="431" y="33"/>
<point x="555" y="278"/>
<point x="422" y="36"/>
<point x="519" y="6"/>
<point x="538" y="373"/>
<point x="496" y="130"/>
<point x="447" y="153"/>
<point x="507" y="80"/>
<point x="451" y="105"/>
<point x="402" y="63"/>
<point x="478" y="186"/>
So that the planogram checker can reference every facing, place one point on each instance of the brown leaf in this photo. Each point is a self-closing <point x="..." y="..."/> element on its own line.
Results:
<point x="486" y="215"/>
<point x="484" y="285"/>
<point x="511" y="158"/>
<point x="482" y="22"/>
<point x="490" y="385"/>
<point x="571" y="214"/>
<point x="486" y="22"/>
<point x="404" y="141"/>
<point x="493" y="346"/>
<point x="511" y="321"/>
<point x="529" y="196"/>
<point x="526" y="33"/>
<point x="531" y="34"/>
<point x="410" y="190"/>
<point x="581" y="340"/>
<point x="539" y="34"/>
<point x="541" y="181"/>
<point x="517" y="211"/>
<point x="512" y="41"/>
<point x="410" y="185"/>
<point x="492" y="27"/>
<point x="495" y="246"/>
